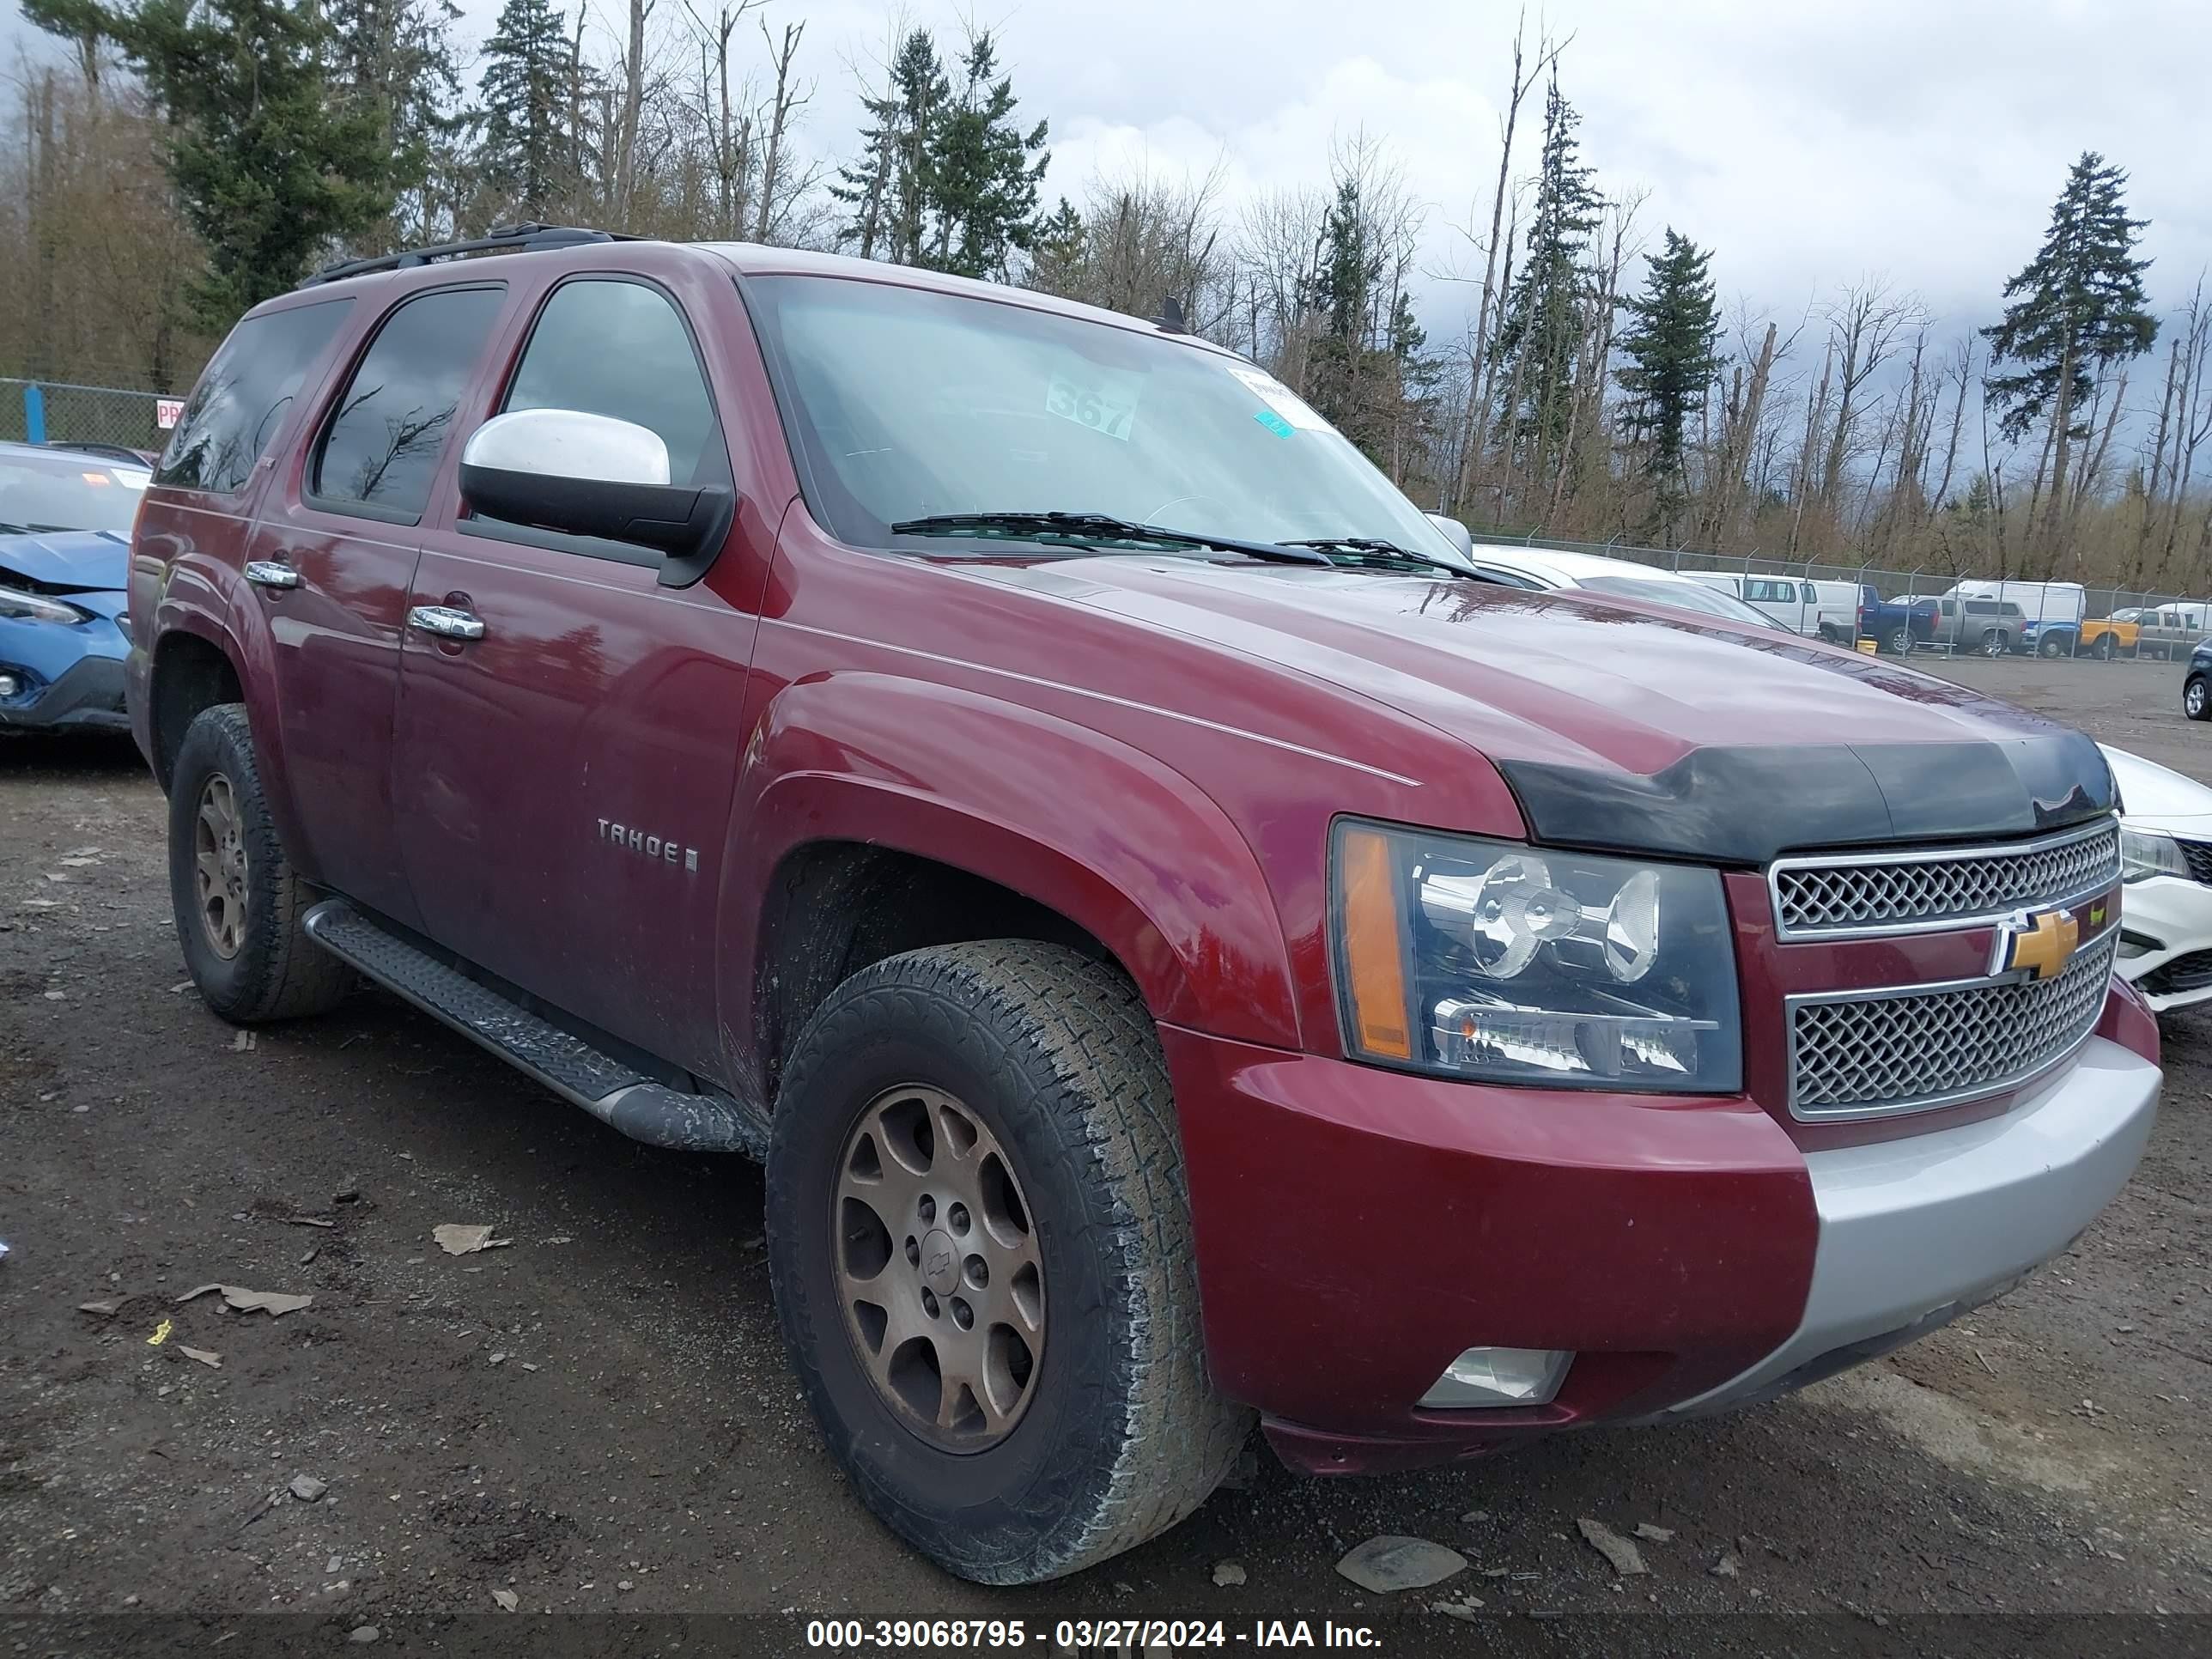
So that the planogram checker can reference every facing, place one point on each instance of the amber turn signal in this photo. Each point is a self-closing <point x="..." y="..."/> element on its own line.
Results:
<point x="1373" y="934"/>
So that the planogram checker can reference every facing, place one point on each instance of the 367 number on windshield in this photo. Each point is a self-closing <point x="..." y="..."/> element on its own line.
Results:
<point x="1086" y="406"/>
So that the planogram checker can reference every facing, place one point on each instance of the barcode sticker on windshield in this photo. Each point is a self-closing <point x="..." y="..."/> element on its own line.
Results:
<point x="1278" y="398"/>
<point x="1107" y="405"/>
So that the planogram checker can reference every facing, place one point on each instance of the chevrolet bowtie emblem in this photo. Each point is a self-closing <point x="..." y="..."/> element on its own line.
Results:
<point x="2038" y="944"/>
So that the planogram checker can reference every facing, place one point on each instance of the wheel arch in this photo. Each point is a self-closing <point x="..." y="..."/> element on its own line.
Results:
<point x="877" y="815"/>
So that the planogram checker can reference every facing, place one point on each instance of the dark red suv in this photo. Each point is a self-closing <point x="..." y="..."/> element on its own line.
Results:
<point x="1187" y="948"/>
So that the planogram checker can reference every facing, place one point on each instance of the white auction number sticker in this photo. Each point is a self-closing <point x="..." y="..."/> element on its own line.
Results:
<point x="1107" y="403"/>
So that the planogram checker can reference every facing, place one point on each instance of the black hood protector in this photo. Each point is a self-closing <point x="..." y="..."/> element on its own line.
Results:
<point x="1747" y="806"/>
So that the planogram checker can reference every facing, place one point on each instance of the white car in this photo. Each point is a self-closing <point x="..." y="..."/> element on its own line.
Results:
<point x="1827" y="611"/>
<point x="1554" y="567"/>
<point x="2166" y="856"/>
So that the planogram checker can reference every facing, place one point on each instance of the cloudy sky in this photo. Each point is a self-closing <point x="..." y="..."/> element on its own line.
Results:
<point x="1808" y="141"/>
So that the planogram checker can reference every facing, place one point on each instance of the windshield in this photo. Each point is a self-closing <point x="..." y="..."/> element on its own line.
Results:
<point x="1683" y="596"/>
<point x="67" y="492"/>
<point x="908" y="404"/>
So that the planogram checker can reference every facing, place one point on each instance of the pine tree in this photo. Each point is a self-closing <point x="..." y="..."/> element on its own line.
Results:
<point x="2076" y="309"/>
<point x="526" y="150"/>
<point x="1671" y="344"/>
<point x="1342" y="293"/>
<point x="1059" y="250"/>
<point x="395" y="58"/>
<point x="1543" y="322"/>
<point x="269" y="166"/>
<point x="983" y="182"/>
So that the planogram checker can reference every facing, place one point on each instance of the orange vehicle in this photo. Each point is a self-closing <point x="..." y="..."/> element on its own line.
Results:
<point x="2109" y="636"/>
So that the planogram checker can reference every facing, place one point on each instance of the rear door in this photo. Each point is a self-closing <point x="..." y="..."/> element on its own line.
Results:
<point x="565" y="779"/>
<point x="330" y="559"/>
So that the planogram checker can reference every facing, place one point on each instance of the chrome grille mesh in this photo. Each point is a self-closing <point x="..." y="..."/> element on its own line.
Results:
<point x="1842" y="894"/>
<point x="1894" y="1053"/>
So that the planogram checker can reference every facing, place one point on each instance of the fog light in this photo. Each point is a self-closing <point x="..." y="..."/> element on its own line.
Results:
<point x="10" y="685"/>
<point x="1501" y="1376"/>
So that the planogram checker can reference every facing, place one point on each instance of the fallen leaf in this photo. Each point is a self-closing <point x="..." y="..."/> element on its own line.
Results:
<point x="455" y="1240"/>
<point x="508" y="1600"/>
<point x="275" y="1304"/>
<point x="212" y="1361"/>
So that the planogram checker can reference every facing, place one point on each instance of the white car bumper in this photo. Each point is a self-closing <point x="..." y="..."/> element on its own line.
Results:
<point x="1916" y="1231"/>
<point x="2175" y="917"/>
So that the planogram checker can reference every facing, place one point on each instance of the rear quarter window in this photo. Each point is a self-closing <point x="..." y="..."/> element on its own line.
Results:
<point x="242" y="398"/>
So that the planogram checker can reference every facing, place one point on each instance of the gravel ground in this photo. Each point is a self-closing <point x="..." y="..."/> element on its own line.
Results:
<point x="596" y="1417"/>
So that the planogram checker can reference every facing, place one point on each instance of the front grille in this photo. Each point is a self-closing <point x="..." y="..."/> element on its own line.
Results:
<point x="2193" y="972"/>
<point x="2199" y="854"/>
<point x="1840" y="894"/>
<point x="1857" y="1054"/>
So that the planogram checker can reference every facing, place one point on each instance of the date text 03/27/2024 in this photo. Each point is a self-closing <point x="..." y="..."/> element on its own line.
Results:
<point x="1082" y="1636"/>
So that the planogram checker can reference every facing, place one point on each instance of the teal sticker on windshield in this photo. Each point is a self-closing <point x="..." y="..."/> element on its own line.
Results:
<point x="1275" y="422"/>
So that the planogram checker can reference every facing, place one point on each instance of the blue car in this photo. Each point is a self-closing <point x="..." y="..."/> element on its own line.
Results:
<point x="64" y="547"/>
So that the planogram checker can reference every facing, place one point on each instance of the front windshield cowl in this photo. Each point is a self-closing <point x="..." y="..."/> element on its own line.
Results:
<point x="909" y="405"/>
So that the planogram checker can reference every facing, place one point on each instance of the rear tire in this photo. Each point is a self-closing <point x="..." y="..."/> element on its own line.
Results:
<point x="1118" y="1433"/>
<point x="1994" y="643"/>
<point x="2102" y="651"/>
<point x="1898" y="642"/>
<point x="2196" y="698"/>
<point x="237" y="902"/>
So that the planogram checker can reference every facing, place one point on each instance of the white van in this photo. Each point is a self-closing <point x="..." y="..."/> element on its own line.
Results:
<point x="1829" y="611"/>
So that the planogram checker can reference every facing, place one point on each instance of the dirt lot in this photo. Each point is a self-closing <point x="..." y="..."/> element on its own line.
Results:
<point x="597" y="1417"/>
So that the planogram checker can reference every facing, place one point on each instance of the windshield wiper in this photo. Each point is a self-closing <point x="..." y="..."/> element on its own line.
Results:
<point x="1099" y="527"/>
<point x="1376" y="547"/>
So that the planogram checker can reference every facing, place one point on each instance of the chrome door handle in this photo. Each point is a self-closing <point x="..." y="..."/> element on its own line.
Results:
<point x="271" y="573"/>
<point x="445" y="622"/>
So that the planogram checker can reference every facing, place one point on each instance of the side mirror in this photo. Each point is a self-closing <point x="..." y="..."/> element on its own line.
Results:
<point x="1456" y="531"/>
<point x="590" y="474"/>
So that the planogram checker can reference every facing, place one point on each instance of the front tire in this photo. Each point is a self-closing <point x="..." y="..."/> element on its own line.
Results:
<point x="917" y="1078"/>
<point x="237" y="902"/>
<point x="2196" y="698"/>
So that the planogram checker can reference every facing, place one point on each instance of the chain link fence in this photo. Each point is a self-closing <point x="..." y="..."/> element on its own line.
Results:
<point x="1929" y="610"/>
<point x="55" y="411"/>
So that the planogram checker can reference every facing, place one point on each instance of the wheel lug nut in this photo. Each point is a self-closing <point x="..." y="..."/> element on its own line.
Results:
<point x="962" y="1315"/>
<point x="913" y="1253"/>
<point x="928" y="1208"/>
<point x="958" y="1216"/>
<point x="978" y="1271"/>
<point x="929" y="1303"/>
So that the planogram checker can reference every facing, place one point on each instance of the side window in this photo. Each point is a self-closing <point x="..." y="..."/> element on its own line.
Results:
<point x="1805" y="593"/>
<point x="1771" y="592"/>
<point x="382" y="446"/>
<point x="240" y="399"/>
<point x="607" y="347"/>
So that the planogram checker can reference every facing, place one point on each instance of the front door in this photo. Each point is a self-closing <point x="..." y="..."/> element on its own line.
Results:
<point x="330" y="559"/>
<point x="565" y="777"/>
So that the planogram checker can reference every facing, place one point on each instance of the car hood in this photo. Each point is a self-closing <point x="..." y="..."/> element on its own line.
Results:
<point x="84" y="560"/>
<point x="1624" y="724"/>
<point x="2156" y="797"/>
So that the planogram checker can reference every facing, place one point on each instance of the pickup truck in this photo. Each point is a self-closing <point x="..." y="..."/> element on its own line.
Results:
<point x="1895" y="625"/>
<point x="1190" y="952"/>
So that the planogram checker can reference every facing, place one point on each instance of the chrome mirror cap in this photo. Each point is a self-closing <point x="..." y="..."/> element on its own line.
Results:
<point x="568" y="443"/>
<point x="1456" y="532"/>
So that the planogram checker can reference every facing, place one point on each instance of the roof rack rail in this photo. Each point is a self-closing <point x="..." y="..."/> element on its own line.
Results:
<point x="504" y="238"/>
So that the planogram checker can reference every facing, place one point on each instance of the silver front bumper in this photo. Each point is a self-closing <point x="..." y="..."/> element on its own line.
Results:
<point x="1915" y="1231"/>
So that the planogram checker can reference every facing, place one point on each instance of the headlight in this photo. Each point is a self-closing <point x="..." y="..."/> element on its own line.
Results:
<point x="2145" y="853"/>
<point x="15" y="602"/>
<point x="1524" y="964"/>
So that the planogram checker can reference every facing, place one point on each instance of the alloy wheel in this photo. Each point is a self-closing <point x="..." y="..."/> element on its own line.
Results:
<point x="219" y="867"/>
<point x="2193" y="700"/>
<point x="937" y="1268"/>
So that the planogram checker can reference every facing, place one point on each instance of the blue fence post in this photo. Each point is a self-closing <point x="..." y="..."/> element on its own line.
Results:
<point x="34" y="414"/>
